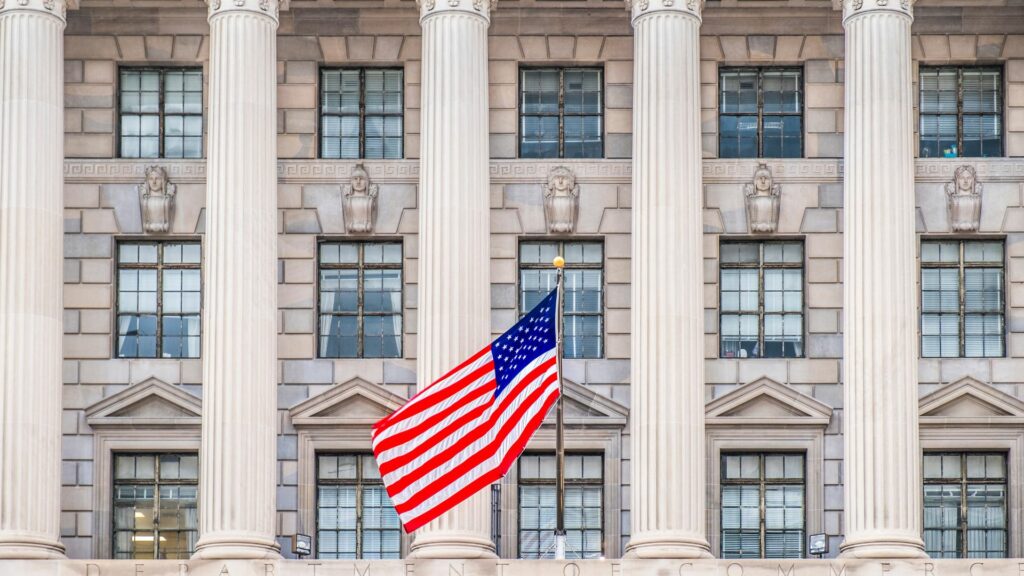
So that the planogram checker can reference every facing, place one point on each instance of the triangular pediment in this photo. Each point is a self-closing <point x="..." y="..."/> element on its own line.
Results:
<point x="766" y="402"/>
<point x="354" y="403"/>
<point x="152" y="403"/>
<point x="584" y="406"/>
<point x="969" y="400"/>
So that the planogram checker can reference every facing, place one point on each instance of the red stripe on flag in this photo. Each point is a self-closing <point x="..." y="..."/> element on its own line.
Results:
<point x="487" y="478"/>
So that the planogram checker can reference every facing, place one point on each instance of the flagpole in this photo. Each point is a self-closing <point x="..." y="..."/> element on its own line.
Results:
<point x="559" y="264"/>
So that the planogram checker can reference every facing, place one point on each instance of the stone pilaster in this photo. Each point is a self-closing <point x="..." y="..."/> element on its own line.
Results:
<point x="31" y="265"/>
<point x="667" y="419"/>
<point x="454" y="257"/>
<point x="883" y="459"/>
<point x="239" y="448"/>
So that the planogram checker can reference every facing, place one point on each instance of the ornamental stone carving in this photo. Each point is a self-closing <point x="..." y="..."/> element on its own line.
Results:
<point x="763" y="200"/>
<point x="561" y="201"/>
<point x="640" y="7"/>
<point x="963" y="199"/>
<point x="157" y="200"/>
<point x="359" y="202"/>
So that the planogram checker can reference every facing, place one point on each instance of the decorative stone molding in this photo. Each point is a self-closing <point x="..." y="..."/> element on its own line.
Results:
<point x="561" y="201"/>
<point x="359" y="202"/>
<point x="857" y="7"/>
<point x="963" y="199"/>
<point x="270" y="8"/>
<point x="150" y="404"/>
<point x="479" y="7"/>
<point x="766" y="415"/>
<point x="594" y="423"/>
<point x="763" y="200"/>
<point x="157" y="197"/>
<point x="974" y="416"/>
<point x="642" y="7"/>
<point x="58" y="8"/>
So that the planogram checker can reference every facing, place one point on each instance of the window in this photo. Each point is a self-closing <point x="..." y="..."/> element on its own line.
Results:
<point x="561" y="113"/>
<point x="760" y="113"/>
<point x="763" y="505"/>
<point x="155" y="514"/>
<point x="361" y="113"/>
<point x="961" y="111"/>
<point x="962" y="298"/>
<point x="538" y="509"/>
<point x="360" y="300"/>
<point x="583" y="307"/>
<point x="158" y="300"/>
<point x="965" y="505"/>
<point x="161" y="113"/>
<point x="354" y="515"/>
<point x="762" y="299"/>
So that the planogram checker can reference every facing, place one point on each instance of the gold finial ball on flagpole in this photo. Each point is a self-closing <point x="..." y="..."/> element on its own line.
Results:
<point x="558" y="262"/>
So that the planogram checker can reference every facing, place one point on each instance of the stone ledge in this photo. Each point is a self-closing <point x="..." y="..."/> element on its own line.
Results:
<point x="895" y="567"/>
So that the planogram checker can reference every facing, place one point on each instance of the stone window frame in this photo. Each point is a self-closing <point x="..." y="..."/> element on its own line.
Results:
<point x="120" y="423"/>
<point x="766" y="416"/>
<point x="598" y="428"/>
<point x="971" y="416"/>
<point x="325" y="424"/>
<point x="562" y="68"/>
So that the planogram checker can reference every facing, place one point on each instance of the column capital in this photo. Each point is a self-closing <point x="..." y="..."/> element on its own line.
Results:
<point x="640" y="8"/>
<point x="853" y="8"/>
<point x="58" y="8"/>
<point x="270" y="8"/>
<point x="482" y="8"/>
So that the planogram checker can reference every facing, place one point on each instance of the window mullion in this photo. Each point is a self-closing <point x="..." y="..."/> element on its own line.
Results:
<point x="962" y="291"/>
<point x="960" y="112"/>
<point x="760" y="113"/>
<point x="156" y="506"/>
<point x="159" y="299"/>
<point x="561" y="113"/>
<point x="362" y="113"/>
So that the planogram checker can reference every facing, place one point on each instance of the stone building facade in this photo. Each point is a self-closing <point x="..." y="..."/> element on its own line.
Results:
<point x="669" y="216"/>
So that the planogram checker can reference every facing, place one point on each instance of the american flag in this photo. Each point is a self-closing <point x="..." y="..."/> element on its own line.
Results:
<point x="464" y="431"/>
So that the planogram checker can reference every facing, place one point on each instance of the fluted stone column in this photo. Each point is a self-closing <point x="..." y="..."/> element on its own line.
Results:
<point x="883" y="458"/>
<point x="454" y="304"/>
<point x="667" y="411"/>
<point x="239" y="449"/>
<point x="31" y="256"/>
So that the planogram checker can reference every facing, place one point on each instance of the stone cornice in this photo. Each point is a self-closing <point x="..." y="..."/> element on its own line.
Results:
<point x="937" y="170"/>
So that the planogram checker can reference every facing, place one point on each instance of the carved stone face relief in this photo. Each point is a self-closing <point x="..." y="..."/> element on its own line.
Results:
<point x="561" y="201"/>
<point x="963" y="200"/>
<point x="359" y="202"/>
<point x="763" y="200"/>
<point x="157" y="200"/>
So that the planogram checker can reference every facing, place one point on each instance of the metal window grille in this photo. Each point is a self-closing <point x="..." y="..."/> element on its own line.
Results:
<point x="584" y="505"/>
<point x="354" y="515"/>
<point x="961" y="111"/>
<point x="161" y="113"/>
<point x="360" y="299"/>
<point x="965" y="508"/>
<point x="962" y="298"/>
<point x="583" y="305"/>
<point x="760" y="113"/>
<point x="361" y="113"/>
<point x="763" y="505"/>
<point x="159" y="299"/>
<point x="761" y="299"/>
<point x="561" y="113"/>
<point x="154" y="506"/>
